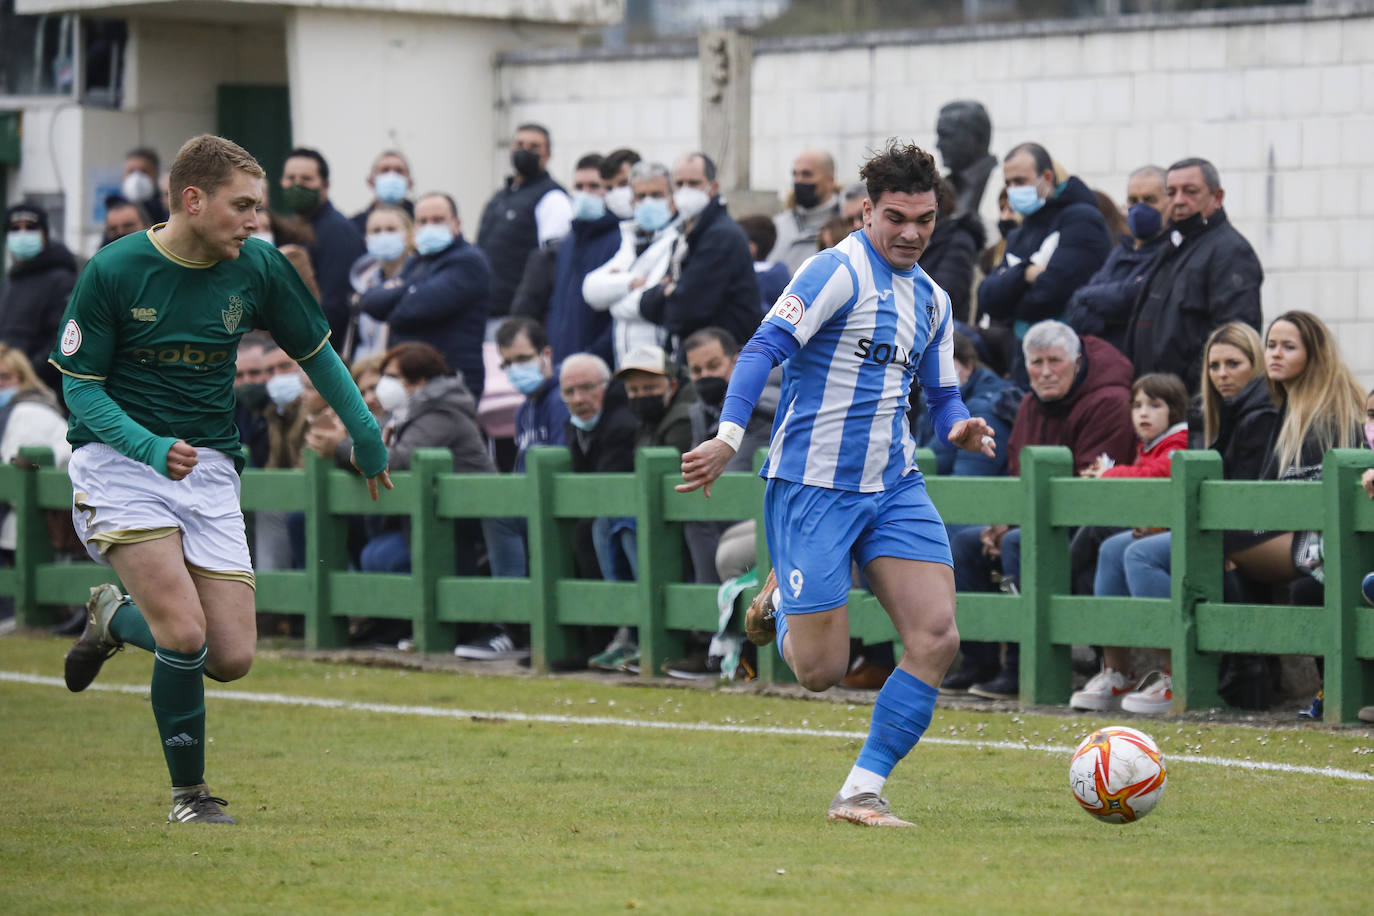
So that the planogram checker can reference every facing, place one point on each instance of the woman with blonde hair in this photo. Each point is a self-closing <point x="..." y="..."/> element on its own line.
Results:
<point x="29" y="416"/>
<point x="1321" y="407"/>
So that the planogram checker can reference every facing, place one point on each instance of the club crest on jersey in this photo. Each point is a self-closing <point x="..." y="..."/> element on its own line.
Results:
<point x="233" y="314"/>
<point x="790" y="309"/>
<point x="930" y="315"/>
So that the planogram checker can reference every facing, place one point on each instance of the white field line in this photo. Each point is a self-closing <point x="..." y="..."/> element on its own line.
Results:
<point x="441" y="712"/>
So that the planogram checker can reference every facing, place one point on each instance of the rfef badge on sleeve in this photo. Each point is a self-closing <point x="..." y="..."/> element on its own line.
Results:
<point x="790" y="309"/>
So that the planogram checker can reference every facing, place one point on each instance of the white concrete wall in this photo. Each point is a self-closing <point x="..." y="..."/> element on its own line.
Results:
<point x="1284" y="108"/>
<point x="427" y="86"/>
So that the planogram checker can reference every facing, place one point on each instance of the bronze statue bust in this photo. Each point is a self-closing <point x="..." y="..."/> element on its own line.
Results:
<point x="962" y="134"/>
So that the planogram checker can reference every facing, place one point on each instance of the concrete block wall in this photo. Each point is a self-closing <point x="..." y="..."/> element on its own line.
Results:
<point x="1280" y="99"/>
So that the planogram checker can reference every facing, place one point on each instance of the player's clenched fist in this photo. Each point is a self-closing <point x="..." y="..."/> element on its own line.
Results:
<point x="703" y="464"/>
<point x="181" y="458"/>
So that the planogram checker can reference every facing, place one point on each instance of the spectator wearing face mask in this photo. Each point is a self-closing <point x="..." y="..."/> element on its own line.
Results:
<point x="390" y="240"/>
<point x="710" y="281"/>
<point x="35" y="290"/>
<point x="391" y="186"/>
<point x="140" y="183"/>
<point x="441" y="296"/>
<point x="337" y="244"/>
<point x="1061" y="242"/>
<point x="615" y="175"/>
<point x="711" y="355"/>
<point x="641" y="262"/>
<point x="291" y="401"/>
<point x="813" y="203"/>
<point x="572" y="325"/>
<point x="530" y="212"/>
<point x="1102" y="306"/>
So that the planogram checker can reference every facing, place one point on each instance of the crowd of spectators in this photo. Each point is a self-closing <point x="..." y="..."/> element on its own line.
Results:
<point x="607" y="316"/>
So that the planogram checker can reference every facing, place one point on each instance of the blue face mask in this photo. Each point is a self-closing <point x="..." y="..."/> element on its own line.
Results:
<point x="283" y="389"/>
<point x="588" y="206"/>
<point x="1144" y="220"/>
<point x="433" y="237"/>
<point x="585" y="425"/>
<point x="652" y="214"/>
<point x="24" y="244"/>
<point x="390" y="187"/>
<point x="386" y="246"/>
<point x="525" y="377"/>
<point x="1024" y="199"/>
<point x="7" y="395"/>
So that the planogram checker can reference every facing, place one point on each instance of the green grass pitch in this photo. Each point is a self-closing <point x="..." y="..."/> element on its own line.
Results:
<point x="349" y="810"/>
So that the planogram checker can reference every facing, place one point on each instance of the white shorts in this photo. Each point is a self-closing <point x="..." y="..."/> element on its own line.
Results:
<point x="116" y="500"/>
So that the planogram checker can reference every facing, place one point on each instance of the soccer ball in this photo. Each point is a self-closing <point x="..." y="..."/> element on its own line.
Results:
<point x="1118" y="774"/>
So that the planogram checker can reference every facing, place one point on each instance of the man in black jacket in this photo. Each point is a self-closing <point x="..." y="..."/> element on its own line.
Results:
<point x="337" y="244"/>
<point x="710" y="282"/>
<point x="441" y="296"/>
<point x="34" y="295"/>
<point x="530" y="212"/>
<point x="1061" y="242"/>
<point x="1206" y="276"/>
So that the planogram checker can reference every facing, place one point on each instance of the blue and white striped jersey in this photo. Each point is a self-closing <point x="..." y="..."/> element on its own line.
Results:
<point x="864" y="331"/>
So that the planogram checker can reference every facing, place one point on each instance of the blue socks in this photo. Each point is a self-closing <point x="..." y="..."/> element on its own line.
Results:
<point x="901" y="715"/>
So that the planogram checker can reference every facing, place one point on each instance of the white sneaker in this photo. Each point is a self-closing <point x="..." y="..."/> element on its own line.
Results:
<point x="1103" y="692"/>
<point x="1154" y="695"/>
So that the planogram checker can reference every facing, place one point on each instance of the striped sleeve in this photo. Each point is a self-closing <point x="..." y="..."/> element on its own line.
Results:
<point x="824" y="285"/>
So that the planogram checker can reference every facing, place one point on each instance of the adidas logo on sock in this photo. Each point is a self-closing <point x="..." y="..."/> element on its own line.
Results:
<point x="181" y="740"/>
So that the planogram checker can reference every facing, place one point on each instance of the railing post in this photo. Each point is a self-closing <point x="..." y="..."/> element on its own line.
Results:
<point x="1348" y="681"/>
<point x="1196" y="564"/>
<point x="326" y="551"/>
<point x="1046" y="669"/>
<point x="32" y="545"/>
<point x="660" y="557"/>
<point x="431" y="549"/>
<point x="551" y="555"/>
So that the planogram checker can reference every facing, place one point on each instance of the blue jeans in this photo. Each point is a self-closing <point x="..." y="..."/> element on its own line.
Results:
<point x="1134" y="567"/>
<point x="387" y="552"/>
<point x="505" y="539"/>
<point x="617" y="549"/>
<point x="973" y="573"/>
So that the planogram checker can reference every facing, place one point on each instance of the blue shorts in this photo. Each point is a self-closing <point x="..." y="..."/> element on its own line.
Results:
<point x="814" y="533"/>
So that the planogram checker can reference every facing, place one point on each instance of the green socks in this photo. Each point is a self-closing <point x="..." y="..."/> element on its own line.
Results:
<point x="178" y="695"/>
<point x="128" y="626"/>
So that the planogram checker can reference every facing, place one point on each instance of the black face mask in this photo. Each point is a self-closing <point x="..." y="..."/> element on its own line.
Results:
<point x="1005" y="226"/>
<point x="712" y="390"/>
<point x="525" y="162"/>
<point x="648" y="409"/>
<point x="252" y="395"/>
<point x="805" y="195"/>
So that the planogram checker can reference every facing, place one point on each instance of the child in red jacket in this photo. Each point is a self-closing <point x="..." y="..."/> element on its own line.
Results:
<point x="1159" y="413"/>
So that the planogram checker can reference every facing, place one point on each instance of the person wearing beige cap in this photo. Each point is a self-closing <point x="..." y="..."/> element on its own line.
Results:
<point x="658" y="398"/>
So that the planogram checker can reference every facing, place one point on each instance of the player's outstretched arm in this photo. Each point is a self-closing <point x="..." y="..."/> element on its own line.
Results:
<point x="337" y="387"/>
<point x="974" y="435"/>
<point x="384" y="478"/>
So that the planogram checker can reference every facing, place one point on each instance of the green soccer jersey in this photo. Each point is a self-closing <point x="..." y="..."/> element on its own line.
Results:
<point x="161" y="334"/>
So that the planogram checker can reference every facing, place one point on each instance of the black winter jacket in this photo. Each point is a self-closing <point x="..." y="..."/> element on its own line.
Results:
<point x="717" y="286"/>
<point x="1083" y="244"/>
<point x="950" y="256"/>
<point x="32" y="301"/>
<point x="441" y="301"/>
<point x="1102" y="306"/>
<point x="1199" y="282"/>
<point x="1247" y="425"/>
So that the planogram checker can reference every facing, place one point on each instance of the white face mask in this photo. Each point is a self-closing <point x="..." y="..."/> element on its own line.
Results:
<point x="690" y="202"/>
<point x="621" y="201"/>
<point x="137" y="187"/>
<point x="391" y="393"/>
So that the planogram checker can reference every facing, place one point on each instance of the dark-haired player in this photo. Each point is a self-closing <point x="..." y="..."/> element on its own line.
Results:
<point x="147" y="354"/>
<point x="856" y="326"/>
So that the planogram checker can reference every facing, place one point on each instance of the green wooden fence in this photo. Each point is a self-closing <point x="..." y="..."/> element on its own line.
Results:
<point x="1047" y="501"/>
